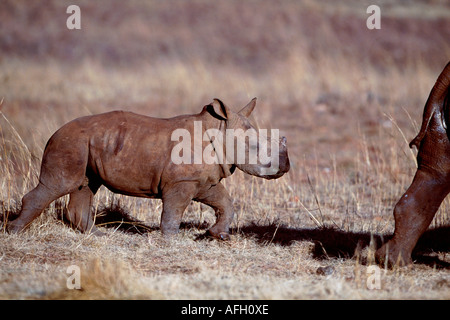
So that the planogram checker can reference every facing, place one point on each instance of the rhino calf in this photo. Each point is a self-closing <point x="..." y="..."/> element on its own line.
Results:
<point x="131" y="154"/>
<point x="415" y="210"/>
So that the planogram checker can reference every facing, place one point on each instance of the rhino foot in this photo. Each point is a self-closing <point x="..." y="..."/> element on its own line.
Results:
<point x="393" y="256"/>
<point x="224" y="236"/>
<point x="13" y="228"/>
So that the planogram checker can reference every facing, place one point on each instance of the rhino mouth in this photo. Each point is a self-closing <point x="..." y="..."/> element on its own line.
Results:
<point x="274" y="176"/>
<point x="282" y="168"/>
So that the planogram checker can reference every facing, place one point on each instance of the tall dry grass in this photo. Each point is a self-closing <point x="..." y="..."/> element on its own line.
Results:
<point x="348" y="100"/>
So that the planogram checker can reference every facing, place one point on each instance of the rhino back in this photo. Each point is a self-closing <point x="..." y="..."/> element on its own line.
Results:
<point x="127" y="152"/>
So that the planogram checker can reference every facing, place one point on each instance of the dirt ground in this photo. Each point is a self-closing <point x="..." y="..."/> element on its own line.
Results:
<point x="347" y="98"/>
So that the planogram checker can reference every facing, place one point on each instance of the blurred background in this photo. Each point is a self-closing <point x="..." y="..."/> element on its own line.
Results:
<point x="347" y="98"/>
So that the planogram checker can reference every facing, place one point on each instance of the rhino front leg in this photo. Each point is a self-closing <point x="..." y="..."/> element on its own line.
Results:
<point x="175" y="200"/>
<point x="79" y="211"/>
<point x="413" y="214"/>
<point x="218" y="198"/>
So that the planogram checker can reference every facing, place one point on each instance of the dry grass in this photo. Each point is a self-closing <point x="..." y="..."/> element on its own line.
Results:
<point x="348" y="100"/>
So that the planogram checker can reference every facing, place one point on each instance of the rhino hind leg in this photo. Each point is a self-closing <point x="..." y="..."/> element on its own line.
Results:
<point x="413" y="214"/>
<point x="33" y="203"/>
<point x="63" y="171"/>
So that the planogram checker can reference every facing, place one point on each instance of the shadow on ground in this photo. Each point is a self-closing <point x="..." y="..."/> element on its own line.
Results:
<point x="329" y="242"/>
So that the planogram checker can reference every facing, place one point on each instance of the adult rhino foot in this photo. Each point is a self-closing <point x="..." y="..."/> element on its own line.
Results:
<point x="224" y="236"/>
<point x="393" y="256"/>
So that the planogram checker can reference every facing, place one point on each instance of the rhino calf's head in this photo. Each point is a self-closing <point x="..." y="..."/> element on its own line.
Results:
<point x="252" y="150"/>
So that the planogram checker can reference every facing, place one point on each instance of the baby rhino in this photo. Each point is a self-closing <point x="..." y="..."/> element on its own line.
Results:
<point x="177" y="160"/>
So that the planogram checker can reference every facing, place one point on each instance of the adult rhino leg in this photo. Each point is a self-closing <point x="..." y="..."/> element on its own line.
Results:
<point x="413" y="214"/>
<point x="79" y="211"/>
<point x="218" y="198"/>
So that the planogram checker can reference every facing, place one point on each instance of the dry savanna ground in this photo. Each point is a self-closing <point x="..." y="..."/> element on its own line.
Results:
<point x="348" y="99"/>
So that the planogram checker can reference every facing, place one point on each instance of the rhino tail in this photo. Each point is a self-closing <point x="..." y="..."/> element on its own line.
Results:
<point x="438" y="100"/>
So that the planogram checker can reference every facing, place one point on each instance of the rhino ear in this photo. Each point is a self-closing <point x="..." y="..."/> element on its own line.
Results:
<point x="248" y="109"/>
<point x="218" y="109"/>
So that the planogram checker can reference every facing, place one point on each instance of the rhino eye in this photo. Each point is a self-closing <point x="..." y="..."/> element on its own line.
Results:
<point x="247" y="126"/>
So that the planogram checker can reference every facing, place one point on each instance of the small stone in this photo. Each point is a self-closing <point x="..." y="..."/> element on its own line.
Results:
<point x="325" y="271"/>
